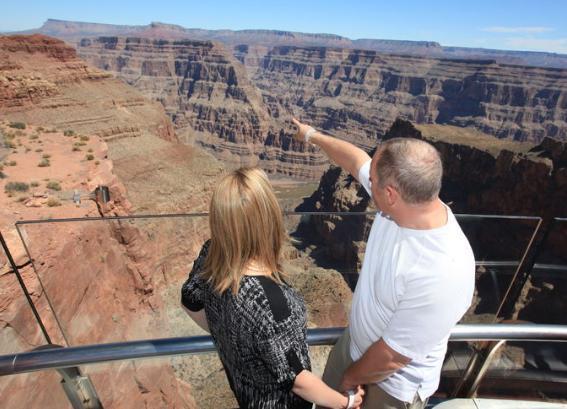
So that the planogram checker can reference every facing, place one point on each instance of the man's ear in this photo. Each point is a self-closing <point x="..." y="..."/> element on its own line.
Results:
<point x="392" y="195"/>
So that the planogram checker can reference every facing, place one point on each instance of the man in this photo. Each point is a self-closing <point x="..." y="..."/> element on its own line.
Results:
<point x="416" y="280"/>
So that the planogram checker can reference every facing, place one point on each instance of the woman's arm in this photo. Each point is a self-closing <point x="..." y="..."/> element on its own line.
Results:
<point x="313" y="389"/>
<point x="199" y="317"/>
<point x="193" y="291"/>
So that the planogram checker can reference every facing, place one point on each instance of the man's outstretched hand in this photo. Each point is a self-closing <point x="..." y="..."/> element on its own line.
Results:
<point x="301" y="130"/>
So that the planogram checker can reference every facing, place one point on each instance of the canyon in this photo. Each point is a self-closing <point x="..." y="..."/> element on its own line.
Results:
<point x="166" y="115"/>
<point x="237" y="102"/>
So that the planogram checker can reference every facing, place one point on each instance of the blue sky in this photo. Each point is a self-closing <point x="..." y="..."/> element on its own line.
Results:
<point x="521" y="24"/>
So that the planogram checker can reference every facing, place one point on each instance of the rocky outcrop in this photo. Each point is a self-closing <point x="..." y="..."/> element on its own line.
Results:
<point x="42" y="81"/>
<point x="477" y="170"/>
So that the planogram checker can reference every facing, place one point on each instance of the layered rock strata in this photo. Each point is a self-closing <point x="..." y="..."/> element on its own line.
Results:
<point x="359" y="94"/>
<point x="240" y="106"/>
<point x="43" y="81"/>
<point x="208" y="95"/>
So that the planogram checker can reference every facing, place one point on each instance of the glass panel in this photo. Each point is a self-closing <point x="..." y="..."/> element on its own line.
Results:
<point x="117" y="280"/>
<point x="537" y="370"/>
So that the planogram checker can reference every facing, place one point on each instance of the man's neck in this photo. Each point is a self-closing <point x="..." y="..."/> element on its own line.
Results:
<point x="427" y="216"/>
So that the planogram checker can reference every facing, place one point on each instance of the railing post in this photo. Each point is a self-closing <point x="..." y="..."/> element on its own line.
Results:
<point x="524" y="269"/>
<point x="79" y="388"/>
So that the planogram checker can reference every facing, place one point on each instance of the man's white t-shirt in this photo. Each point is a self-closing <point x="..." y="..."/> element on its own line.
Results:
<point x="414" y="286"/>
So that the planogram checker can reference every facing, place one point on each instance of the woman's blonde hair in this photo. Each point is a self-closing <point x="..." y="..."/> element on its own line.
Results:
<point x="246" y="224"/>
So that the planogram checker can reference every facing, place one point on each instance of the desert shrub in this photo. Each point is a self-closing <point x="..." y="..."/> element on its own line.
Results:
<point x="22" y="199"/>
<point x="69" y="132"/>
<point x="34" y="136"/>
<point x="44" y="163"/>
<point x="39" y="150"/>
<point x="16" y="187"/>
<point x="90" y="150"/>
<point x="96" y="162"/>
<point x="53" y="185"/>
<point x="76" y="149"/>
<point x="85" y="138"/>
<point x="11" y="163"/>
<point x="89" y="157"/>
<point x="53" y="202"/>
<point x="2" y="175"/>
<point x="46" y="156"/>
<point x="17" y="125"/>
<point x="40" y="129"/>
<point x="34" y="184"/>
<point x="9" y="145"/>
<point x="79" y="144"/>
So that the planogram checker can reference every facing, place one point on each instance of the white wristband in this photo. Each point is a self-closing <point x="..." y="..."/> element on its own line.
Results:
<point x="351" y="396"/>
<point x="309" y="133"/>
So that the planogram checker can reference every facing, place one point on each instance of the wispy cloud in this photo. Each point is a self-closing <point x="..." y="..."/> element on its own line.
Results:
<point x="517" y="30"/>
<point x="557" y="45"/>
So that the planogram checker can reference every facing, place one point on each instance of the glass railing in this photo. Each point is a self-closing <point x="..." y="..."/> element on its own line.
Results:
<point x="538" y="370"/>
<point x="142" y="261"/>
<point x="19" y="332"/>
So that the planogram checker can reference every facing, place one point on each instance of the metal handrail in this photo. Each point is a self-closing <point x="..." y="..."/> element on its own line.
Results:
<point x="99" y="353"/>
<point x="459" y="216"/>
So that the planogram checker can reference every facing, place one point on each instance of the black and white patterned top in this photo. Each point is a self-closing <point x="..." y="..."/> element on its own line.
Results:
<point x="260" y="335"/>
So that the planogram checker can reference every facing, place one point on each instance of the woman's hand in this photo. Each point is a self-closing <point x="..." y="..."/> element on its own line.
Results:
<point x="358" y="394"/>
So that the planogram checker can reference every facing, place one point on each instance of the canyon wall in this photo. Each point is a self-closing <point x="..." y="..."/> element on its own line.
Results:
<point x="360" y="93"/>
<point x="207" y="93"/>
<point x="238" y="102"/>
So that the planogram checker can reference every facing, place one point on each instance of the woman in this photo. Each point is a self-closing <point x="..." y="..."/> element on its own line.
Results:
<point x="236" y="291"/>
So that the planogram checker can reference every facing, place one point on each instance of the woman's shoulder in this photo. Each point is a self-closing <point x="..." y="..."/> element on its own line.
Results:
<point x="199" y="262"/>
<point x="275" y="302"/>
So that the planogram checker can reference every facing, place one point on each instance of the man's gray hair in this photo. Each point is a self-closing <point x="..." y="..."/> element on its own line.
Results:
<point x="412" y="166"/>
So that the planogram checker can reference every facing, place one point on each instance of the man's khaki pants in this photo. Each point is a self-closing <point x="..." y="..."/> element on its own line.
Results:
<point x="375" y="398"/>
